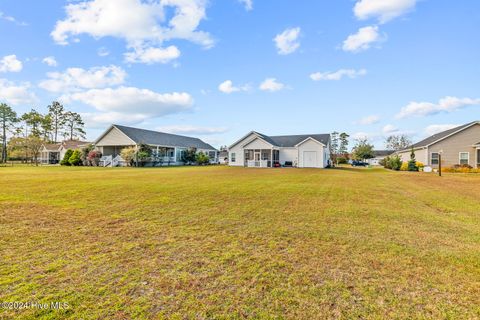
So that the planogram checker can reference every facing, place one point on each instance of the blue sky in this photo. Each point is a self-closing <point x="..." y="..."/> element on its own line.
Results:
<point x="218" y="69"/>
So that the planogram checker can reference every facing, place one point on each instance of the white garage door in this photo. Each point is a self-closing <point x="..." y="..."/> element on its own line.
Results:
<point x="309" y="159"/>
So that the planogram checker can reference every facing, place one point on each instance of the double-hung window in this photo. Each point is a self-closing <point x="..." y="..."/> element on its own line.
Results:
<point x="434" y="158"/>
<point x="232" y="157"/>
<point x="464" y="158"/>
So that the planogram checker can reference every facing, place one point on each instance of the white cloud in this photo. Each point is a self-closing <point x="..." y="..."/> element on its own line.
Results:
<point x="368" y="120"/>
<point x="338" y="75"/>
<point x="272" y="85"/>
<point x="15" y="94"/>
<point x="194" y="130"/>
<point x="248" y="4"/>
<point x="8" y="18"/>
<point x="287" y="41"/>
<point x="362" y="135"/>
<point x="99" y="120"/>
<point x="10" y="64"/>
<point x="153" y="55"/>
<point x="228" y="87"/>
<point x="50" y="61"/>
<point x="444" y="105"/>
<point x="130" y="100"/>
<point x="436" y="128"/>
<point x="362" y="40"/>
<point x="103" y="52"/>
<point x="74" y="79"/>
<point x="142" y="25"/>
<point x="390" y="129"/>
<point x="382" y="9"/>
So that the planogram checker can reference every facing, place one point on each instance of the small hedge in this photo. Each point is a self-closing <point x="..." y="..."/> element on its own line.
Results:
<point x="66" y="158"/>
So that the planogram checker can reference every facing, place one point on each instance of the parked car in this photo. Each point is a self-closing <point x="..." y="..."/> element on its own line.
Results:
<point x="357" y="163"/>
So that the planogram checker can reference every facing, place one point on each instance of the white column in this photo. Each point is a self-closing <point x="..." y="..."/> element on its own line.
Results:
<point x="175" y="154"/>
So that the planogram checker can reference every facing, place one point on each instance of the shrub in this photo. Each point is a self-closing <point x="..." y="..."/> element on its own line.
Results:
<point x="66" y="157"/>
<point x="342" y="160"/>
<point x="189" y="156"/>
<point x="76" y="158"/>
<point x="94" y="157"/>
<point x="85" y="151"/>
<point x="405" y="166"/>
<point x="201" y="158"/>
<point x="394" y="163"/>
<point x="128" y="154"/>
<point x="420" y="165"/>
<point x="412" y="165"/>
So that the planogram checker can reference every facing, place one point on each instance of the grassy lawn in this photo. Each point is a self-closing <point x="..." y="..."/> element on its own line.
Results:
<point x="223" y="243"/>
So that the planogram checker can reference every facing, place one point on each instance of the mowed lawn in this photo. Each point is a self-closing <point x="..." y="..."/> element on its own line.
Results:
<point x="231" y="243"/>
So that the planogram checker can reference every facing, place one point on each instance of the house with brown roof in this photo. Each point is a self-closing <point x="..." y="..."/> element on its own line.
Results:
<point x="52" y="153"/>
<point x="459" y="145"/>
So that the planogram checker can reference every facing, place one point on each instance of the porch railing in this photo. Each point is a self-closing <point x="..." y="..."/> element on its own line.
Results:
<point x="257" y="163"/>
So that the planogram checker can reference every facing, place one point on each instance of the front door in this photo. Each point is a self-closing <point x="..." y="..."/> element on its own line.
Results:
<point x="257" y="156"/>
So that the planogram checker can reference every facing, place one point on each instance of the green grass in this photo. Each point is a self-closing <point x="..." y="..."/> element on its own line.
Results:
<point x="230" y="243"/>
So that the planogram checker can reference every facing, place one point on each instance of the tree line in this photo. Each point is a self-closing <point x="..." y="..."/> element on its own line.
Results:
<point x="29" y="131"/>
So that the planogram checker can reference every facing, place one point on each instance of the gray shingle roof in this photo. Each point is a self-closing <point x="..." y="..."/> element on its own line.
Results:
<point x="439" y="136"/>
<point x="293" y="140"/>
<point x="162" y="139"/>
<point x="382" y="153"/>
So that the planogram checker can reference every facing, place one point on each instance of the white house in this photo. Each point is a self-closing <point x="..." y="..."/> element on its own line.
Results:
<point x="168" y="148"/>
<point x="379" y="155"/>
<point x="53" y="153"/>
<point x="259" y="150"/>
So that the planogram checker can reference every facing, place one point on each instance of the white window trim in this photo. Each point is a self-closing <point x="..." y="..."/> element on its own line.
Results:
<point x="233" y="157"/>
<point x="460" y="158"/>
<point x="431" y="158"/>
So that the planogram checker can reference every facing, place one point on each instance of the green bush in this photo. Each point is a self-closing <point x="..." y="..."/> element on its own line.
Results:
<point x="394" y="163"/>
<point x="412" y="165"/>
<point x="66" y="157"/>
<point x="201" y="158"/>
<point x="76" y="158"/>
<point x="342" y="160"/>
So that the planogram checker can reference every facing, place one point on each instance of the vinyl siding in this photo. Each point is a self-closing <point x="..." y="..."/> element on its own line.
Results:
<point x="453" y="145"/>
<point x="114" y="138"/>
<point x="311" y="145"/>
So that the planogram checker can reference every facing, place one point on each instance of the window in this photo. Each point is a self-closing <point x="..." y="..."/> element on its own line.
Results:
<point x="232" y="157"/>
<point x="464" y="157"/>
<point x="211" y="154"/>
<point x="434" y="159"/>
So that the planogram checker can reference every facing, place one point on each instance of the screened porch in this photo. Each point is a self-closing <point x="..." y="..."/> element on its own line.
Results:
<point x="262" y="158"/>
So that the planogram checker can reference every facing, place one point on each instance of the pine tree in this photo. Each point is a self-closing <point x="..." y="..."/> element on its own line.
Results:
<point x="56" y="113"/>
<point x="74" y="126"/>
<point x="8" y="118"/>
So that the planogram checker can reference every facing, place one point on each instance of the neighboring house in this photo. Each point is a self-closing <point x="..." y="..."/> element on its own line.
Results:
<point x="223" y="157"/>
<point x="460" y="145"/>
<point x="53" y="153"/>
<point x="168" y="147"/>
<point x="50" y="153"/>
<point x="259" y="150"/>
<point x="73" y="145"/>
<point x="379" y="155"/>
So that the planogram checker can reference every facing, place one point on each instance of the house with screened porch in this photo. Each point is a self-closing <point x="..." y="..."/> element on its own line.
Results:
<point x="168" y="148"/>
<point x="259" y="150"/>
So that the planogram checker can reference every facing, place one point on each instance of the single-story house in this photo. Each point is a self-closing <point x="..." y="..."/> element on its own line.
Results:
<point x="50" y="153"/>
<point x="169" y="148"/>
<point x="223" y="157"/>
<point x="53" y="153"/>
<point x="460" y="145"/>
<point x="379" y="155"/>
<point x="259" y="150"/>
